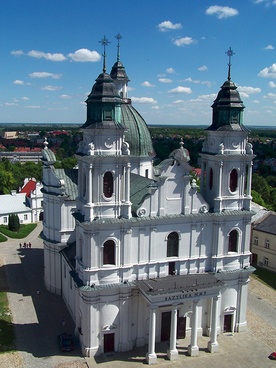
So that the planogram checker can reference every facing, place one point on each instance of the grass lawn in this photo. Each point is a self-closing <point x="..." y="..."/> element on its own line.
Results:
<point x="7" y="338"/>
<point x="265" y="276"/>
<point x="23" y="232"/>
<point x="2" y="238"/>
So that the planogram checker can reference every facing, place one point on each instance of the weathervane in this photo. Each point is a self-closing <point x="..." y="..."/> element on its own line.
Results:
<point x="118" y="36"/>
<point x="229" y="53"/>
<point x="104" y="41"/>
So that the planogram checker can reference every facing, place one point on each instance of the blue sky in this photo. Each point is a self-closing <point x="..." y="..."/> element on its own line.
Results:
<point x="173" y="52"/>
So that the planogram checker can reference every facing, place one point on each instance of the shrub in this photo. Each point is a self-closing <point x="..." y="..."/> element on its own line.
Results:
<point x="14" y="224"/>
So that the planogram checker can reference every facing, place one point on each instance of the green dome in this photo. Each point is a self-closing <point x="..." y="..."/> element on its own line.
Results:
<point x="137" y="135"/>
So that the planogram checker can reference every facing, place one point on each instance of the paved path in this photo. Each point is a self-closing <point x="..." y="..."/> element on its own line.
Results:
<point x="37" y="319"/>
<point x="37" y="314"/>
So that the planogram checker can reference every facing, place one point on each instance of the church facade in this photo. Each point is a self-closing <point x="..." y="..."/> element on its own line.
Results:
<point x="138" y="253"/>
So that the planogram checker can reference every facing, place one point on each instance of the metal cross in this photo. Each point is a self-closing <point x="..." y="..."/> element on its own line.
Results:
<point x="104" y="41"/>
<point x="118" y="37"/>
<point x="230" y="53"/>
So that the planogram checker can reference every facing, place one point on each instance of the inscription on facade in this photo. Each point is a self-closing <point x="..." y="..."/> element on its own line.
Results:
<point x="184" y="296"/>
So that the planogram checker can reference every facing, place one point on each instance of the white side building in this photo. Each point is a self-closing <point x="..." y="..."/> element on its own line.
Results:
<point x="138" y="254"/>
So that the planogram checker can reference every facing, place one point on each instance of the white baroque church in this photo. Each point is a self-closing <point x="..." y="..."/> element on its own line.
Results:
<point x="137" y="252"/>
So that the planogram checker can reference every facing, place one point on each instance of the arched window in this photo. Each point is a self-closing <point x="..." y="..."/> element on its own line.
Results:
<point x="108" y="184"/>
<point x="233" y="241"/>
<point x="109" y="252"/>
<point x="233" y="180"/>
<point x="172" y="244"/>
<point x="211" y="177"/>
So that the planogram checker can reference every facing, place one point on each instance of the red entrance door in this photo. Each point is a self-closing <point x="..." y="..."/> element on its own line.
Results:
<point x="109" y="343"/>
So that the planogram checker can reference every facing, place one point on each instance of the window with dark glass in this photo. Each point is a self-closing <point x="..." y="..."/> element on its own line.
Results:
<point x="211" y="179"/>
<point x="233" y="180"/>
<point x="233" y="241"/>
<point x="109" y="252"/>
<point x="108" y="184"/>
<point x="172" y="244"/>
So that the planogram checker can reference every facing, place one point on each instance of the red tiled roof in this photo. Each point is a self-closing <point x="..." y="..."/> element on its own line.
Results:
<point x="28" y="188"/>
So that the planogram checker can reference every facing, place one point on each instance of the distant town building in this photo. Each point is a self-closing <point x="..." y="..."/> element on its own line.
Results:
<point x="136" y="251"/>
<point x="263" y="242"/>
<point x="9" y="135"/>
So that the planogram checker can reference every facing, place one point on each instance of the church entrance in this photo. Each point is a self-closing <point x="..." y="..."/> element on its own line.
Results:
<point x="227" y="323"/>
<point x="109" y="342"/>
<point x="166" y="326"/>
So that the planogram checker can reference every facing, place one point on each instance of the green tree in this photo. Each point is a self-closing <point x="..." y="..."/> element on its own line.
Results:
<point x="14" y="224"/>
<point x="7" y="181"/>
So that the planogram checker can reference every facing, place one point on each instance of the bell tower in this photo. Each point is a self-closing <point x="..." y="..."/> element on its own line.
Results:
<point x="103" y="155"/>
<point x="226" y="159"/>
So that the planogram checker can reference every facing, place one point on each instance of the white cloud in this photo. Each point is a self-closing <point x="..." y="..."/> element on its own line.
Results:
<point x="10" y="104"/>
<point x="210" y="97"/>
<point x="32" y="107"/>
<point x="269" y="72"/>
<point x="181" y="89"/>
<point x="221" y="11"/>
<point x="155" y="107"/>
<point x="44" y="75"/>
<point x="202" y="68"/>
<point x="168" y="25"/>
<point x="19" y="82"/>
<point x="165" y="80"/>
<point x="85" y="55"/>
<point x="184" y="41"/>
<point x="47" y="56"/>
<point x="66" y="97"/>
<point x="249" y="90"/>
<point x="269" y="47"/>
<point x="25" y="98"/>
<point x="143" y="100"/>
<point x="272" y="84"/>
<point x="192" y="80"/>
<point x="170" y="70"/>
<point x="17" y="52"/>
<point x="51" y="88"/>
<point x="267" y="3"/>
<point x="147" y="84"/>
<point x="271" y="95"/>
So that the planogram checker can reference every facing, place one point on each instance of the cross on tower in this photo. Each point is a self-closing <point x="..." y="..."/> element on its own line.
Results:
<point x="118" y="37"/>
<point x="104" y="41"/>
<point x="230" y="53"/>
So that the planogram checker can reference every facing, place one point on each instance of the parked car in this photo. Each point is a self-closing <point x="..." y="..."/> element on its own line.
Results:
<point x="65" y="342"/>
<point x="272" y="356"/>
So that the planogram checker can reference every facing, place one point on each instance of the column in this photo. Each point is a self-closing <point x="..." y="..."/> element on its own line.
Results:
<point x="89" y="184"/>
<point x="172" y="353"/>
<point x="151" y="356"/>
<point x="193" y="348"/>
<point x="213" y="346"/>
<point x="249" y="178"/>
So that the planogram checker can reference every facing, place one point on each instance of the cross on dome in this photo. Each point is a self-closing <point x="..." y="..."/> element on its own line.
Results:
<point x="104" y="41"/>
<point x="229" y="53"/>
<point x="118" y="37"/>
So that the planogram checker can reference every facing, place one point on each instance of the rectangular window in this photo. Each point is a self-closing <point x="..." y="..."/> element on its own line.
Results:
<point x="266" y="261"/>
<point x="267" y="242"/>
<point x="256" y="240"/>
<point x="5" y="220"/>
<point x="25" y="217"/>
